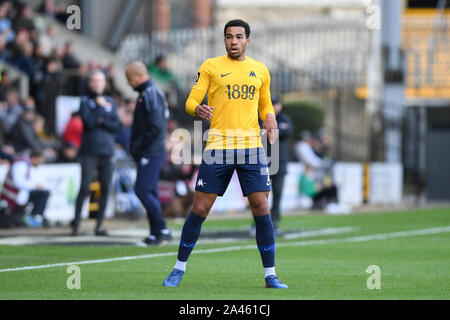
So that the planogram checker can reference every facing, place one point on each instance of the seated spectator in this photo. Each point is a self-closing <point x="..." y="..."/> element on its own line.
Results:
<point x="69" y="60"/>
<point x="68" y="153"/>
<point x="5" y="53"/>
<point x="53" y="68"/>
<point x="321" y="144"/>
<point x="48" y="8"/>
<point x="21" y="187"/>
<point x="58" y="55"/>
<point x="22" y="37"/>
<point x="166" y="79"/>
<point x="25" y="20"/>
<point x="6" y="26"/>
<point x="39" y="59"/>
<point x="73" y="132"/>
<point x="5" y="83"/>
<point x="324" y="195"/>
<point x="123" y="136"/>
<point x="161" y="71"/>
<point x="49" y="141"/>
<point x="173" y="188"/>
<point x="306" y="154"/>
<point x="130" y="105"/>
<point x="25" y="61"/>
<point x="25" y="136"/>
<point x="47" y="40"/>
<point x="6" y="151"/>
<point x="6" y="154"/>
<point x="112" y="86"/>
<point x="51" y="10"/>
<point x="10" y="113"/>
<point x="37" y="82"/>
<point x="5" y="158"/>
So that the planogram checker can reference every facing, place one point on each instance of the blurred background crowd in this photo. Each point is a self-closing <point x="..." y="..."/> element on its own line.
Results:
<point x="354" y="92"/>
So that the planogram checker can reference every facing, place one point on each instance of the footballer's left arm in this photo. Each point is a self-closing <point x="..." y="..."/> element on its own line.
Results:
<point x="266" y="111"/>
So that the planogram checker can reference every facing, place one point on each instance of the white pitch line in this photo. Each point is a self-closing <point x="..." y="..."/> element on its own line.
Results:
<point x="320" y="232"/>
<point x="370" y="237"/>
<point x="145" y="256"/>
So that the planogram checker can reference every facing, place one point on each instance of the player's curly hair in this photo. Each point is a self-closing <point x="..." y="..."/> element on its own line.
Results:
<point x="237" y="23"/>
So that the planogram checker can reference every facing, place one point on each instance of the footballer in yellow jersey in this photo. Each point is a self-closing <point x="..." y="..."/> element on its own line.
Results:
<point x="238" y="90"/>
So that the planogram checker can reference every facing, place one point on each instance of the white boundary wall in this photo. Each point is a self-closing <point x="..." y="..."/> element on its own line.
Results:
<point x="63" y="181"/>
<point x="386" y="187"/>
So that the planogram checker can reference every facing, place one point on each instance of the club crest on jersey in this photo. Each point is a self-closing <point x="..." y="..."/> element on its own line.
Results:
<point x="252" y="74"/>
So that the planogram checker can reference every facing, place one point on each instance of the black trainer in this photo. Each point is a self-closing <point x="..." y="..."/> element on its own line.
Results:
<point x="101" y="232"/>
<point x="151" y="240"/>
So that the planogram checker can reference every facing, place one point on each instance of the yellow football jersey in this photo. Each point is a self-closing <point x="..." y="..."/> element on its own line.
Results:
<point x="237" y="91"/>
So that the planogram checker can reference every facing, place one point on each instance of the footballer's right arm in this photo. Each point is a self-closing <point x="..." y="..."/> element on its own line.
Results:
<point x="194" y="106"/>
<point x="193" y="103"/>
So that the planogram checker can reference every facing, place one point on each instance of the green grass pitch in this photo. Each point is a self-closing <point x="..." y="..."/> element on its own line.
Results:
<point x="412" y="265"/>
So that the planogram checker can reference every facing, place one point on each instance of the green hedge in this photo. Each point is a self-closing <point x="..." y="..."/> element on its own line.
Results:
<point x="305" y="115"/>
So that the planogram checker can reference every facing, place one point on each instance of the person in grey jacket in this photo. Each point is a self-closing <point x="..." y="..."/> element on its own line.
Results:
<point x="100" y="124"/>
<point x="148" y="147"/>
<point x="23" y="135"/>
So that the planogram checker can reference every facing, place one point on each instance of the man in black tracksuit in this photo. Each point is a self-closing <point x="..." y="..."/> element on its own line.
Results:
<point x="284" y="130"/>
<point x="100" y="124"/>
<point x="148" y="147"/>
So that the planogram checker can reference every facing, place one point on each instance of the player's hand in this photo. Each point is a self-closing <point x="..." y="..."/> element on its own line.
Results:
<point x="272" y="128"/>
<point x="203" y="111"/>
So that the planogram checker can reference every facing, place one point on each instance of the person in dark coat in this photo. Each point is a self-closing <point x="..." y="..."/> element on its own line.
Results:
<point x="100" y="125"/>
<point x="285" y="129"/>
<point x="148" y="147"/>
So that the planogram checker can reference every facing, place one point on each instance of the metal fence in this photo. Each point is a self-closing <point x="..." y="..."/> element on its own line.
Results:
<point x="318" y="58"/>
<point x="319" y="51"/>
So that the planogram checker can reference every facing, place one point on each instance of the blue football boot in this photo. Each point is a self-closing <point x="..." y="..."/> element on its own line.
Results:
<point x="274" y="282"/>
<point x="174" y="278"/>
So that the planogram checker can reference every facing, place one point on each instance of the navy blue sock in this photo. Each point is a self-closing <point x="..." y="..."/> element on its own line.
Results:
<point x="265" y="239"/>
<point x="189" y="236"/>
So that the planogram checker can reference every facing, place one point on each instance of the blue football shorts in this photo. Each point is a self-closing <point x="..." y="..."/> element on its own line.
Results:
<point x="218" y="166"/>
